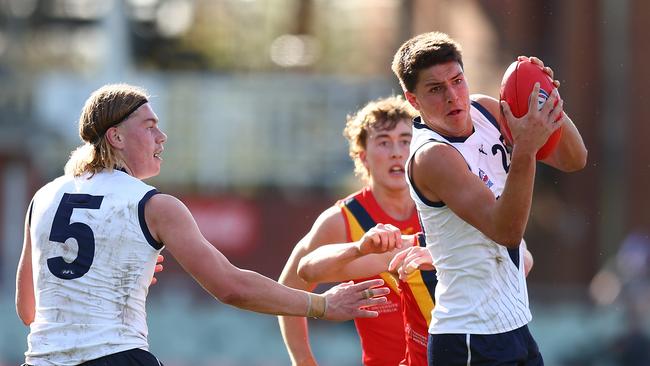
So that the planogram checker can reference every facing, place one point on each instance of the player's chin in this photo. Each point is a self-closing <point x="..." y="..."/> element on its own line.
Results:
<point x="398" y="182"/>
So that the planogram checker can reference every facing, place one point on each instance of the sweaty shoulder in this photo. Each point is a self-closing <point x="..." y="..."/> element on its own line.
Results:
<point x="489" y="103"/>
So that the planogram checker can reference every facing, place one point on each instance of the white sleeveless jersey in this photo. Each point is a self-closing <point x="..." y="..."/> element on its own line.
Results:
<point x="93" y="259"/>
<point x="481" y="285"/>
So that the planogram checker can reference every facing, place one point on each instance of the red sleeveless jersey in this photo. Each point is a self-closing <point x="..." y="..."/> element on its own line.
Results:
<point x="417" y="302"/>
<point x="382" y="338"/>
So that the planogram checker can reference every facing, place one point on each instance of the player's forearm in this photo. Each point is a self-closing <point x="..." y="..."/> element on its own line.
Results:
<point x="242" y="288"/>
<point x="296" y="338"/>
<point x="328" y="262"/>
<point x="513" y="206"/>
<point x="25" y="298"/>
<point x="252" y="291"/>
<point x="571" y="153"/>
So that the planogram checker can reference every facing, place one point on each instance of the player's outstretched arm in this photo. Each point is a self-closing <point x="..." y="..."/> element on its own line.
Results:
<point x="365" y="258"/>
<point x="172" y="224"/>
<point x="25" y="300"/>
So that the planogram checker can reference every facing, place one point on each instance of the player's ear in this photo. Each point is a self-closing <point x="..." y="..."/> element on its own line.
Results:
<point x="412" y="99"/>
<point x="114" y="137"/>
<point x="364" y="158"/>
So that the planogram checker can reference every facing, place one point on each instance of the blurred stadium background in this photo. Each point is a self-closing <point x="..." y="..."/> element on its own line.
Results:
<point x="253" y="95"/>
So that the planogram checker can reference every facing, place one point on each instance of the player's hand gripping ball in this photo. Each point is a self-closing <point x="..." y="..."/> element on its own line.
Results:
<point x="516" y="87"/>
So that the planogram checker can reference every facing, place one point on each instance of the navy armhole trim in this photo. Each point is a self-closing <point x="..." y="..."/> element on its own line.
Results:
<point x="424" y="200"/>
<point x="514" y="256"/>
<point x="487" y="114"/>
<point x="143" y="223"/>
<point x="360" y="213"/>
<point x="29" y="213"/>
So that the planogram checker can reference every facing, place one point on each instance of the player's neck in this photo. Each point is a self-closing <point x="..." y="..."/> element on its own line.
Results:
<point x="396" y="203"/>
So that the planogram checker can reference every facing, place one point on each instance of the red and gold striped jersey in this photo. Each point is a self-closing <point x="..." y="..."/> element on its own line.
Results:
<point x="417" y="302"/>
<point x="382" y="338"/>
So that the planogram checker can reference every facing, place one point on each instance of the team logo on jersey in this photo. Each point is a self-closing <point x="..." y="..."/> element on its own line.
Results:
<point x="541" y="98"/>
<point x="484" y="177"/>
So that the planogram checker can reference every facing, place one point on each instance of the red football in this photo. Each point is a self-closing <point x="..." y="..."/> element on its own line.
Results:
<point x="516" y="86"/>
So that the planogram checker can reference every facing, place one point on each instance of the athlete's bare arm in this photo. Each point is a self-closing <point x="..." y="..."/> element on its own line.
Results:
<point x="328" y="228"/>
<point x="25" y="301"/>
<point x="439" y="169"/>
<point x="361" y="259"/>
<point x="171" y="223"/>
<point x="570" y="154"/>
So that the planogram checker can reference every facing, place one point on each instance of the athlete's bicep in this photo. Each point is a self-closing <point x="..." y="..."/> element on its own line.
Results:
<point x="171" y="223"/>
<point x="445" y="177"/>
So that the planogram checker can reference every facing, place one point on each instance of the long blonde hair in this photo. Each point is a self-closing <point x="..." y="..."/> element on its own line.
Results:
<point x="105" y="108"/>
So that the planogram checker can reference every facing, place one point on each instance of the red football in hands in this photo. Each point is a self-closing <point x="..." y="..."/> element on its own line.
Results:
<point x="516" y="86"/>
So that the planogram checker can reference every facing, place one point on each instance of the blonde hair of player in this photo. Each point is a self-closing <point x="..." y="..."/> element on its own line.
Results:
<point x="106" y="107"/>
<point x="379" y="114"/>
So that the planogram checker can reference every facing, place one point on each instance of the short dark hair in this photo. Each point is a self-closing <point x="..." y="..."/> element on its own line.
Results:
<point x="421" y="52"/>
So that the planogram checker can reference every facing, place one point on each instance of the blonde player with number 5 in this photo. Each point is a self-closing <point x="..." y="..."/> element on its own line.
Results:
<point x="93" y="235"/>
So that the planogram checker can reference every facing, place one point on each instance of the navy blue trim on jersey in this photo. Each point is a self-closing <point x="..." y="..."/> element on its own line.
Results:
<point x="422" y="239"/>
<point x="430" y="280"/>
<point x="143" y="223"/>
<point x="487" y="114"/>
<point x="360" y="213"/>
<point x="425" y="200"/>
<point x="514" y="256"/>
<point x="417" y="123"/>
<point x="29" y="213"/>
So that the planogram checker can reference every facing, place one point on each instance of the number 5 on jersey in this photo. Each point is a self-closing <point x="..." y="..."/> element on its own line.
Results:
<point x="63" y="229"/>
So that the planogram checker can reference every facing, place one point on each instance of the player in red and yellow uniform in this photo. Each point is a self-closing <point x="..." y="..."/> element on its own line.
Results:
<point x="417" y="293"/>
<point x="380" y="342"/>
<point x="372" y="254"/>
<point x="379" y="136"/>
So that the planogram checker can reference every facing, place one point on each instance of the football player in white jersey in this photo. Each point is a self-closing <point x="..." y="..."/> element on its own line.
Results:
<point x="93" y="235"/>
<point x="473" y="195"/>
